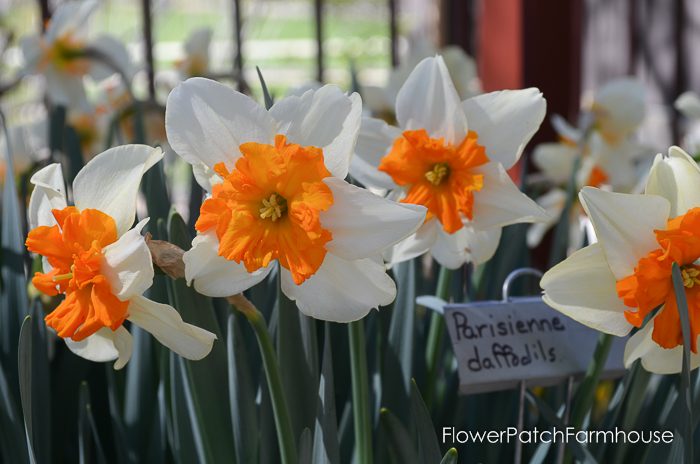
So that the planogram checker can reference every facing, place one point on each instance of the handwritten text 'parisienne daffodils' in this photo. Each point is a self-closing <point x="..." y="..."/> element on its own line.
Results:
<point x="452" y="435"/>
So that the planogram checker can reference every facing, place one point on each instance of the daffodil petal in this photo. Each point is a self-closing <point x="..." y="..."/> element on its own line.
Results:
<point x="207" y="122"/>
<point x="114" y="51"/>
<point x="364" y="224"/>
<point x="462" y="68"/>
<point x="341" y="290"/>
<point x="71" y="18"/>
<point x="555" y="160"/>
<point x="428" y="100"/>
<point x="414" y="245"/>
<point x="465" y="245"/>
<point x="688" y="103"/>
<point x="31" y="53"/>
<point x="127" y="264"/>
<point x="214" y="275"/>
<point x="622" y="102"/>
<point x="624" y="225"/>
<point x="110" y="182"/>
<point x="378" y="100"/>
<point x="553" y="203"/>
<point x="49" y="193"/>
<point x="104" y="345"/>
<point x="205" y="176"/>
<point x="655" y="358"/>
<point x="482" y="244"/>
<point x="500" y="202"/>
<point x="66" y="90"/>
<point x="583" y="288"/>
<point x="505" y="121"/>
<point x="325" y="118"/>
<point x="677" y="179"/>
<point x="197" y="43"/>
<point x="375" y="139"/>
<point x="164" y="323"/>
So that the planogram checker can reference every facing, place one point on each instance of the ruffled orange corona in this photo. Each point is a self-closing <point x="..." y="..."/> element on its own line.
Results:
<point x="73" y="248"/>
<point x="268" y="208"/>
<point x="437" y="175"/>
<point x="651" y="285"/>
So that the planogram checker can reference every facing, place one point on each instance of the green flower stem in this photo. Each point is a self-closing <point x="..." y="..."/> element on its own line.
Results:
<point x="283" y="422"/>
<point x="360" y="393"/>
<point x="586" y="391"/>
<point x="436" y="334"/>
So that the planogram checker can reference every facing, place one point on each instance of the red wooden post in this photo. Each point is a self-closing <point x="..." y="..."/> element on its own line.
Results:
<point x="525" y="43"/>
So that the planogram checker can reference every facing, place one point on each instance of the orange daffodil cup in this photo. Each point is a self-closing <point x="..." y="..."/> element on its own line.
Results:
<point x="277" y="194"/>
<point x="451" y="156"/>
<point x="615" y="285"/>
<point x="91" y="255"/>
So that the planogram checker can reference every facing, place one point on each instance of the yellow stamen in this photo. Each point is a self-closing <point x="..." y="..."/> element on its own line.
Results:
<point x="690" y="277"/>
<point x="438" y="173"/>
<point x="273" y="208"/>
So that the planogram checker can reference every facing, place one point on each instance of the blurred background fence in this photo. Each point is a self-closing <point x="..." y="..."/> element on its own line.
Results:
<point x="566" y="48"/>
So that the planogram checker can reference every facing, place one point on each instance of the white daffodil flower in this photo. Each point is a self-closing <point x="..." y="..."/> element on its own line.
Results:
<point x="613" y="167"/>
<point x="277" y="194"/>
<point x="688" y="103"/>
<point x="451" y="156"/>
<point x="93" y="256"/>
<point x="381" y="101"/>
<point x="616" y="284"/>
<point x="619" y="109"/>
<point x="196" y="60"/>
<point x="61" y="53"/>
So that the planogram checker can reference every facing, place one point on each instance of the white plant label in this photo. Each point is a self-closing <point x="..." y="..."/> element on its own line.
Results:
<point x="498" y="344"/>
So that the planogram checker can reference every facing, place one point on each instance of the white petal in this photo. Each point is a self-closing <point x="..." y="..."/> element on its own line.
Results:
<point x="555" y="160"/>
<point x="482" y="244"/>
<point x="49" y="193"/>
<point x="364" y="224"/>
<point x="341" y="290"/>
<point x="128" y="265"/>
<point x="117" y="54"/>
<point x="214" y="275"/>
<point x="198" y="42"/>
<point x="104" y="345"/>
<point x="462" y="68"/>
<point x="325" y="118"/>
<point x="110" y="182"/>
<point x="207" y="122"/>
<point x="66" y="90"/>
<point x="620" y="105"/>
<point x="500" y="202"/>
<point x="205" y="176"/>
<point x="377" y="100"/>
<point x="583" y="287"/>
<point x="505" y="121"/>
<point x="165" y="323"/>
<point x="655" y="358"/>
<point x="374" y="142"/>
<point x="688" y="103"/>
<point x="414" y="245"/>
<point x="31" y="53"/>
<point x="624" y="225"/>
<point x="553" y="203"/>
<point x="71" y="18"/>
<point x="677" y="179"/>
<point x="465" y="245"/>
<point x="428" y="100"/>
